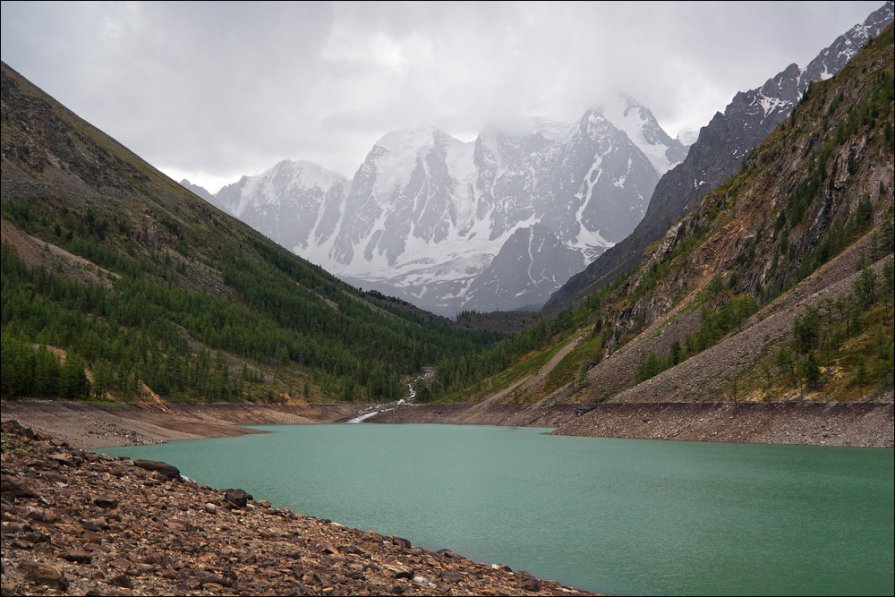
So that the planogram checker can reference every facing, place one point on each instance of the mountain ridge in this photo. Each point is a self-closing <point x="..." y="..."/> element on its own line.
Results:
<point x="776" y="286"/>
<point x="449" y="205"/>
<point x="717" y="154"/>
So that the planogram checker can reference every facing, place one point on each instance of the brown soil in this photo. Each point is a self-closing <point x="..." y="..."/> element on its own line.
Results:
<point x="37" y="253"/>
<point x="834" y="424"/>
<point x="89" y="426"/>
<point x="842" y="424"/>
<point x="79" y="523"/>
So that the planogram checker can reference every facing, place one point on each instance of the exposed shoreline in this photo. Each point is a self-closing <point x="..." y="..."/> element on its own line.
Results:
<point x="89" y="426"/>
<point x="866" y="424"/>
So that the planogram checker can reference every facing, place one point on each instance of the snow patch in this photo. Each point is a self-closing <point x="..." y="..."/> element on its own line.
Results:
<point x="641" y="127"/>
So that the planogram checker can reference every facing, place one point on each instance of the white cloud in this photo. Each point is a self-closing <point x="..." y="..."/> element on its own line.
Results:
<point x="206" y="90"/>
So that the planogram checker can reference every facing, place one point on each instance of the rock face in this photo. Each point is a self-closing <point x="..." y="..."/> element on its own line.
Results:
<point x="718" y="154"/>
<point x="163" y="538"/>
<point x="531" y="262"/>
<point x="426" y="214"/>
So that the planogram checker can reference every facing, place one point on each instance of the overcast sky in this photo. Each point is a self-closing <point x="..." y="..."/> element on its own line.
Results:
<point x="211" y="91"/>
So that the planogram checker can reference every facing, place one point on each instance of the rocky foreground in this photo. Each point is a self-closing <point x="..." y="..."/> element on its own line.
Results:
<point x="80" y="523"/>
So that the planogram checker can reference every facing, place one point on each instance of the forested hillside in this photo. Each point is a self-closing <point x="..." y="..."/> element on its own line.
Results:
<point x="121" y="273"/>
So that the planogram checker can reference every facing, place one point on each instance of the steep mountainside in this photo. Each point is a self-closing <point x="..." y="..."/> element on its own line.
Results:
<point x="777" y="285"/>
<point x="718" y="154"/>
<point x="426" y="215"/>
<point x="116" y="267"/>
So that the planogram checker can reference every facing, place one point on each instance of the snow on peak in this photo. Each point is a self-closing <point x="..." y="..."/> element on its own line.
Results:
<point x="396" y="154"/>
<point x="644" y="131"/>
<point x="554" y="131"/>
<point x="272" y="185"/>
<point x="304" y="174"/>
<point x="408" y="140"/>
<point x="770" y="104"/>
<point x="595" y="125"/>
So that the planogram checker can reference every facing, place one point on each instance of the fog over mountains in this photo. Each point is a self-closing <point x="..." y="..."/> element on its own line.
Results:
<point x="496" y="223"/>
<point x="718" y="153"/>
<point x="513" y="218"/>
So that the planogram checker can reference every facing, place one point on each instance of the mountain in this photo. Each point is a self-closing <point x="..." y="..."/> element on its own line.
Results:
<point x="642" y="128"/>
<point x="287" y="203"/>
<point x="718" y="154"/>
<point x="537" y="252"/>
<point x="776" y="286"/>
<point x="426" y="214"/>
<point x="198" y="190"/>
<point x="115" y="266"/>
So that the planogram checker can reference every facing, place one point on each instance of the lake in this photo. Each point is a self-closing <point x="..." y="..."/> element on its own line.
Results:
<point x="616" y="516"/>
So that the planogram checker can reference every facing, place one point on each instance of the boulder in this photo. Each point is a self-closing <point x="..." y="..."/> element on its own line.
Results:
<point x="13" y="489"/>
<point x="237" y="498"/>
<point x="123" y="581"/>
<point x="77" y="556"/>
<point x="529" y="582"/>
<point x="45" y="574"/>
<point x="17" y="428"/>
<point x="104" y="502"/>
<point x="163" y="468"/>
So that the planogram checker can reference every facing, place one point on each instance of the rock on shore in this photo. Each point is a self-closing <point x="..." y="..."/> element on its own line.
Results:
<point x="77" y="523"/>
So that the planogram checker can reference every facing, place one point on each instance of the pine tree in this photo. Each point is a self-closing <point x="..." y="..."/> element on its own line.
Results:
<point x="46" y="373"/>
<point x="73" y="382"/>
<point x="865" y="288"/>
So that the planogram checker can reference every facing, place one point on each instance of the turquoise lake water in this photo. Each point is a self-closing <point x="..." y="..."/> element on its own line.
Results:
<point x="610" y="515"/>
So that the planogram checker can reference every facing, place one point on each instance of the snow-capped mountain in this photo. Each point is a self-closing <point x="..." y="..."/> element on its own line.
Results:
<point x="437" y="221"/>
<point x="643" y="130"/>
<point x="287" y="203"/>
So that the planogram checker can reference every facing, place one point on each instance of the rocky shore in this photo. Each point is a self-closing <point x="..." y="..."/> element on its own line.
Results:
<point x="80" y="523"/>
<point x="90" y="426"/>
<point x="866" y="424"/>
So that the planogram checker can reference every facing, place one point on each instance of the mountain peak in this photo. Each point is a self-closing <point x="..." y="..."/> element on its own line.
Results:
<point x="410" y="138"/>
<point x="305" y="174"/>
<point x="554" y="131"/>
<point x="197" y="190"/>
<point x="642" y="128"/>
<point x="594" y="124"/>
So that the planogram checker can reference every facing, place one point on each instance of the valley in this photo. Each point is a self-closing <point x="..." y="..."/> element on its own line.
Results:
<point x="507" y="318"/>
